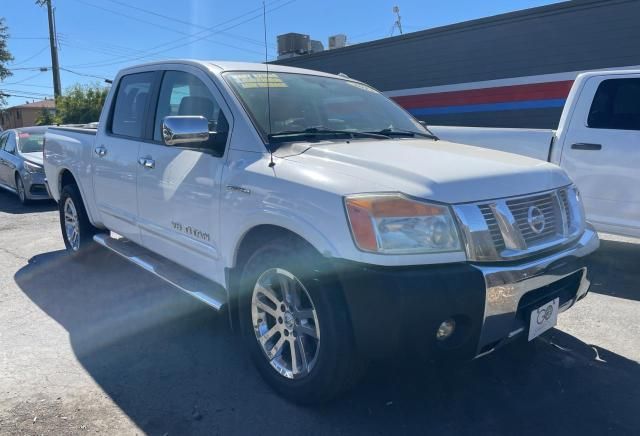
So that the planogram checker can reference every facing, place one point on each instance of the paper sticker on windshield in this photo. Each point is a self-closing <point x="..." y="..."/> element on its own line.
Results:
<point x="259" y="80"/>
<point x="361" y="86"/>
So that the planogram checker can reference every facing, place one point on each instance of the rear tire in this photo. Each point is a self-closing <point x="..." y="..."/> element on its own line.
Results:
<point x="292" y="308"/>
<point x="22" y="193"/>
<point x="77" y="230"/>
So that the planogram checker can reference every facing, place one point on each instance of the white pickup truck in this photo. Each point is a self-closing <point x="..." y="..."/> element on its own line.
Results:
<point x="327" y="221"/>
<point x="597" y="143"/>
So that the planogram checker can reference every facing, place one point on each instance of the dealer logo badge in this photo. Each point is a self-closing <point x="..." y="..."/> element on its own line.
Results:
<point x="536" y="220"/>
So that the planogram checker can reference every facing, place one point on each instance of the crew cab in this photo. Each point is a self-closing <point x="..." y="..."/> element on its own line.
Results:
<point x="597" y="143"/>
<point x="326" y="221"/>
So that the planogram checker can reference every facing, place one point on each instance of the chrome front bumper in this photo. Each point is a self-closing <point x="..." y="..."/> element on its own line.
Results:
<point x="506" y="285"/>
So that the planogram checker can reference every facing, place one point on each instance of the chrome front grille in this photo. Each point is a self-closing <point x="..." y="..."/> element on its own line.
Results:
<point x="494" y="228"/>
<point x="511" y="228"/>
<point x="548" y="206"/>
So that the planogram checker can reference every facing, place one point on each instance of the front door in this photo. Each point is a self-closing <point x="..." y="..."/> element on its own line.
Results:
<point x="115" y="155"/>
<point x="601" y="153"/>
<point x="179" y="186"/>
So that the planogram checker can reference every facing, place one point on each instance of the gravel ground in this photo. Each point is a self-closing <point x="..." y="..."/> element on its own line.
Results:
<point x="95" y="345"/>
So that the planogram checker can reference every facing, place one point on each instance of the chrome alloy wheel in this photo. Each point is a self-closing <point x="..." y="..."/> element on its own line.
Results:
<point x="285" y="323"/>
<point x="71" y="224"/>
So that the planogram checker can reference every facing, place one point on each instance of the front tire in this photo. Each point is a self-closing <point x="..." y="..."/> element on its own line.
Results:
<point x="22" y="193"/>
<point x="77" y="230"/>
<point x="295" y="323"/>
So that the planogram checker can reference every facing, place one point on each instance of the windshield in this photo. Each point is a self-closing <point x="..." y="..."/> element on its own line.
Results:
<point x="301" y="102"/>
<point x="29" y="142"/>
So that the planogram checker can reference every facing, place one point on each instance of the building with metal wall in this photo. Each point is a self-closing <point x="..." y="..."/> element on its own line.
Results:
<point x="509" y="70"/>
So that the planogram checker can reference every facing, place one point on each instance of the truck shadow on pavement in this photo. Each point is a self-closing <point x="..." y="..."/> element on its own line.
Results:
<point x="614" y="268"/>
<point x="9" y="203"/>
<point x="173" y="367"/>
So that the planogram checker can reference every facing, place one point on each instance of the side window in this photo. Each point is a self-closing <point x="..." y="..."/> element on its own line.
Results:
<point x="3" y="140"/>
<point x="10" y="146"/>
<point x="616" y="105"/>
<point x="184" y="94"/>
<point x="129" y="111"/>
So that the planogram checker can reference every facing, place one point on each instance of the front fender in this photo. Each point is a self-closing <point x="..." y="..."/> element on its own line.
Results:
<point x="232" y="239"/>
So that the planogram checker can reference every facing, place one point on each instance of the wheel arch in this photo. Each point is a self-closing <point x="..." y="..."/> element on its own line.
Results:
<point x="66" y="177"/>
<point x="252" y="238"/>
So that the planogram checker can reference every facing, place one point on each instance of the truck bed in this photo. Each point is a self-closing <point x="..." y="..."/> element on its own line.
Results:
<point x="534" y="143"/>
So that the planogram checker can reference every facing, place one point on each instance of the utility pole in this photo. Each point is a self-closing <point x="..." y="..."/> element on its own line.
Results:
<point x="53" y="42"/>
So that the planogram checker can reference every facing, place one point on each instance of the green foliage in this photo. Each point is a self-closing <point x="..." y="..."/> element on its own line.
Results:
<point x="45" y="118"/>
<point x="5" y="56"/>
<point x="80" y="104"/>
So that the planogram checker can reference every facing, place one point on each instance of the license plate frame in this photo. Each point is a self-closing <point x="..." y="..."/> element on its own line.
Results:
<point x="543" y="318"/>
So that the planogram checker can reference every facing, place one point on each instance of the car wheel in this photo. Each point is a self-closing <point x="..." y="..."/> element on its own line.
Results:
<point x="295" y="323"/>
<point x="77" y="230"/>
<point x="22" y="194"/>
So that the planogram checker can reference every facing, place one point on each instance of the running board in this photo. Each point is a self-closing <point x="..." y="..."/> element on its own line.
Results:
<point x="176" y="275"/>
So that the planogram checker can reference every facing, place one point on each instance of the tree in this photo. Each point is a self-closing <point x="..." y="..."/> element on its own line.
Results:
<point x="80" y="104"/>
<point x="45" y="118"/>
<point x="5" y="56"/>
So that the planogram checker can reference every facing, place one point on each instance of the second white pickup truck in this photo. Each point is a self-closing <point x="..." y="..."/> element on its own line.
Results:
<point x="326" y="220"/>
<point x="597" y="143"/>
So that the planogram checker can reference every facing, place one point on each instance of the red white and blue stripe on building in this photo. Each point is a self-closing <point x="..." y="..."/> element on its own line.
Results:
<point x="517" y="93"/>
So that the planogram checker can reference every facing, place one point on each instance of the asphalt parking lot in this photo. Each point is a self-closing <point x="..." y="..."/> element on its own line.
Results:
<point x="98" y="346"/>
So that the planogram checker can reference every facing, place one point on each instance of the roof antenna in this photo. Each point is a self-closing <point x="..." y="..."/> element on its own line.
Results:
<point x="266" y="63"/>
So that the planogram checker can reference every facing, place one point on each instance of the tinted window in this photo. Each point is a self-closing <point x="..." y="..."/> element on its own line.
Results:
<point x="616" y="105"/>
<point x="10" y="146"/>
<point x="3" y="140"/>
<point x="131" y="104"/>
<point x="184" y="94"/>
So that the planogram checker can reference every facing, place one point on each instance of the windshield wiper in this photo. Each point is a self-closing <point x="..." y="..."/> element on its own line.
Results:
<point x="402" y="132"/>
<point x="316" y="131"/>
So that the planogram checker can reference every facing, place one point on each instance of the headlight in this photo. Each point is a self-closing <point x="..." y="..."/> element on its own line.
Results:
<point x="576" y="218"/>
<point x="32" y="168"/>
<point x="395" y="224"/>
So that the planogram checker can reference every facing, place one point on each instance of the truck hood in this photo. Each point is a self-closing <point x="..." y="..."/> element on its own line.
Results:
<point x="437" y="170"/>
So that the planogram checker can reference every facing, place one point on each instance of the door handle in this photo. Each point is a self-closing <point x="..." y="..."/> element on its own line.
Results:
<point x="586" y="146"/>
<point x="147" y="162"/>
<point x="100" y="151"/>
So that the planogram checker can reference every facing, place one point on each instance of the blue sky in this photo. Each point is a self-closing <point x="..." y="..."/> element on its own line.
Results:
<point x="98" y="37"/>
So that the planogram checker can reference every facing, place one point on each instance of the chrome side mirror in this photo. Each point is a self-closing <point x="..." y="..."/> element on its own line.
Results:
<point x="184" y="129"/>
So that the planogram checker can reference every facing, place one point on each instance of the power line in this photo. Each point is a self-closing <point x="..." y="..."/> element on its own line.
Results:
<point x="46" y="47"/>
<point x="161" y="26"/>
<point x="31" y="68"/>
<point x="23" y="80"/>
<point x="83" y="74"/>
<point x="20" y="95"/>
<point x="188" y="23"/>
<point x="34" y="94"/>
<point x="207" y="33"/>
<point x="28" y="37"/>
<point x="30" y="85"/>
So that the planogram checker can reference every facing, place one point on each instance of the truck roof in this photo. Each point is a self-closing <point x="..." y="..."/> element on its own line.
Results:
<point x="222" y="66"/>
<point x="608" y="73"/>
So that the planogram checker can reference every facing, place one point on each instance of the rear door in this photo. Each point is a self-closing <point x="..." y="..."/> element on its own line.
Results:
<point x="601" y="152"/>
<point x="179" y="195"/>
<point x="115" y="154"/>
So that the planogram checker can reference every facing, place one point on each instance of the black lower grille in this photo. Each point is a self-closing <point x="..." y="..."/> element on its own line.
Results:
<point x="565" y="289"/>
<point x="38" y="189"/>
